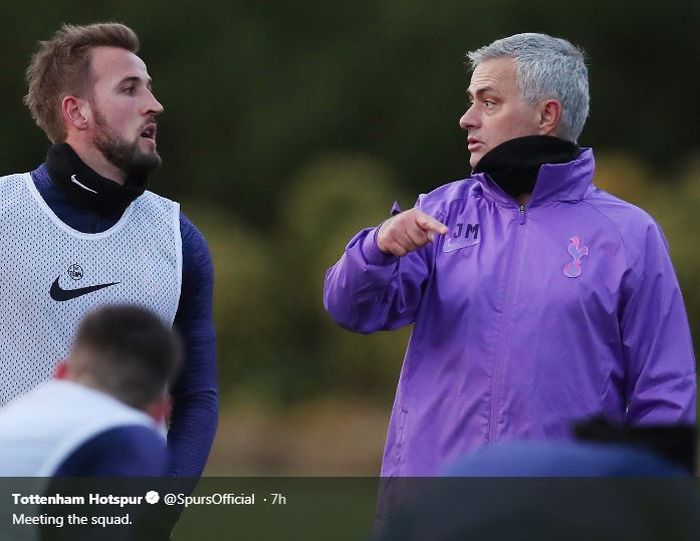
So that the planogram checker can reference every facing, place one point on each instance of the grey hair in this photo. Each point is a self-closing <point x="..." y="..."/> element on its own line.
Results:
<point x="546" y="67"/>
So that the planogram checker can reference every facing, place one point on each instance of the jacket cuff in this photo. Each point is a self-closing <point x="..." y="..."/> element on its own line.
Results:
<point x="371" y="252"/>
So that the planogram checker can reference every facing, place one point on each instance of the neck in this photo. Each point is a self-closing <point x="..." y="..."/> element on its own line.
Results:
<point x="96" y="161"/>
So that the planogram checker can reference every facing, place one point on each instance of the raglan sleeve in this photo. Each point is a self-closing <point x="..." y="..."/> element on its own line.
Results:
<point x="194" y="414"/>
<point x="368" y="290"/>
<point x="656" y="340"/>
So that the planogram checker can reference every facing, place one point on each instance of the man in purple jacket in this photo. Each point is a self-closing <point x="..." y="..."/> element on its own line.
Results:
<point x="536" y="298"/>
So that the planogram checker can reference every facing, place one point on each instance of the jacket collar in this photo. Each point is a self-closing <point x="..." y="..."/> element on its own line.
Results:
<point x="569" y="181"/>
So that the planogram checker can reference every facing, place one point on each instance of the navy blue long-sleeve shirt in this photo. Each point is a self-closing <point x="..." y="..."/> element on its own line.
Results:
<point x="195" y="397"/>
<point x="123" y="451"/>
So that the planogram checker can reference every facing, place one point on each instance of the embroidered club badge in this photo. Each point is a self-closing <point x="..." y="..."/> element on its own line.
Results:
<point x="576" y="251"/>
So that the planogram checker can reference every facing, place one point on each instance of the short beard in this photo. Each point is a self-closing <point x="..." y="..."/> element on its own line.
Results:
<point x="126" y="156"/>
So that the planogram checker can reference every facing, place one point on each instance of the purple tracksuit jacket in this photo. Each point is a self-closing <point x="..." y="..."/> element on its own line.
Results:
<point x="525" y="317"/>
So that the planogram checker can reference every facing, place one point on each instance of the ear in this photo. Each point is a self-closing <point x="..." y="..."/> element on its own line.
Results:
<point x="550" y="115"/>
<point x="160" y="409"/>
<point x="61" y="370"/>
<point x="75" y="112"/>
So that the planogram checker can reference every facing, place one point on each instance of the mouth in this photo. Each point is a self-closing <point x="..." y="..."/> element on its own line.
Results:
<point x="149" y="132"/>
<point x="472" y="143"/>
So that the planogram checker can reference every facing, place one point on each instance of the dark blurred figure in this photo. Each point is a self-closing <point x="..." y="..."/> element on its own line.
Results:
<point x="622" y="483"/>
<point x="96" y="428"/>
<point x="104" y="412"/>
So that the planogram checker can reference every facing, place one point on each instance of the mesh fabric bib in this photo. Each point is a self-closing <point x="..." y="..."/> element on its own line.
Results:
<point x="51" y="275"/>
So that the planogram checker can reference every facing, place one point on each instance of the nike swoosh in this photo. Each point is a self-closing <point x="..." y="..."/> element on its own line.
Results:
<point x="59" y="294"/>
<point x="451" y="244"/>
<point x="75" y="180"/>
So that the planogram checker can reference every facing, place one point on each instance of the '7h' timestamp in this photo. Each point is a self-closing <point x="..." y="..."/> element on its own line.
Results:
<point x="276" y="499"/>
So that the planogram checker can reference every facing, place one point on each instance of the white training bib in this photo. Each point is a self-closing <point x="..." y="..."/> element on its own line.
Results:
<point x="51" y="275"/>
<point x="40" y="430"/>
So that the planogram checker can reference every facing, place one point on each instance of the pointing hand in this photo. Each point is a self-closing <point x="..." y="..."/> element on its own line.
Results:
<point x="408" y="231"/>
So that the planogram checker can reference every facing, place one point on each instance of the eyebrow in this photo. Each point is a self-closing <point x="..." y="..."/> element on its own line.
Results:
<point x="136" y="79"/>
<point x="482" y="90"/>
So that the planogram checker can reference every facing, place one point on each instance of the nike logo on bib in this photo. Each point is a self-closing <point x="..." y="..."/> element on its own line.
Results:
<point x="59" y="294"/>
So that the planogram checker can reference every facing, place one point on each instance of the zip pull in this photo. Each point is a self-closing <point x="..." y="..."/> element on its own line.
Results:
<point x="521" y="210"/>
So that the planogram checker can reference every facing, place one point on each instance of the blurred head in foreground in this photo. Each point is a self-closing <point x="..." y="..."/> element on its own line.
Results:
<point x="127" y="353"/>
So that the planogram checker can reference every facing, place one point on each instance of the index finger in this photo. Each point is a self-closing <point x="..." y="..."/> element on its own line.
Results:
<point x="428" y="223"/>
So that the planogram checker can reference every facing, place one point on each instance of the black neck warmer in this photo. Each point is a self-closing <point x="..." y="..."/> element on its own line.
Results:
<point x="514" y="165"/>
<point x="87" y="188"/>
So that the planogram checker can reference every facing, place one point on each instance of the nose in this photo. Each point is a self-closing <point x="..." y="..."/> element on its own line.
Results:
<point x="468" y="119"/>
<point x="154" y="106"/>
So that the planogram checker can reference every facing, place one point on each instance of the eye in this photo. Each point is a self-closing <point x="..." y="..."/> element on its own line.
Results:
<point x="129" y="90"/>
<point x="489" y="104"/>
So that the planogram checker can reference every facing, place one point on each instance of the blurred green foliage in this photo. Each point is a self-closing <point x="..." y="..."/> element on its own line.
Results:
<point x="291" y="125"/>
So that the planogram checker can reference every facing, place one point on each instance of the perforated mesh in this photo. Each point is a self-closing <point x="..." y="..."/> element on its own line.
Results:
<point x="142" y="252"/>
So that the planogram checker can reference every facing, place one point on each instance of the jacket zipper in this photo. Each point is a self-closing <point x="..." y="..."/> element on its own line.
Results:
<point x="496" y="386"/>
